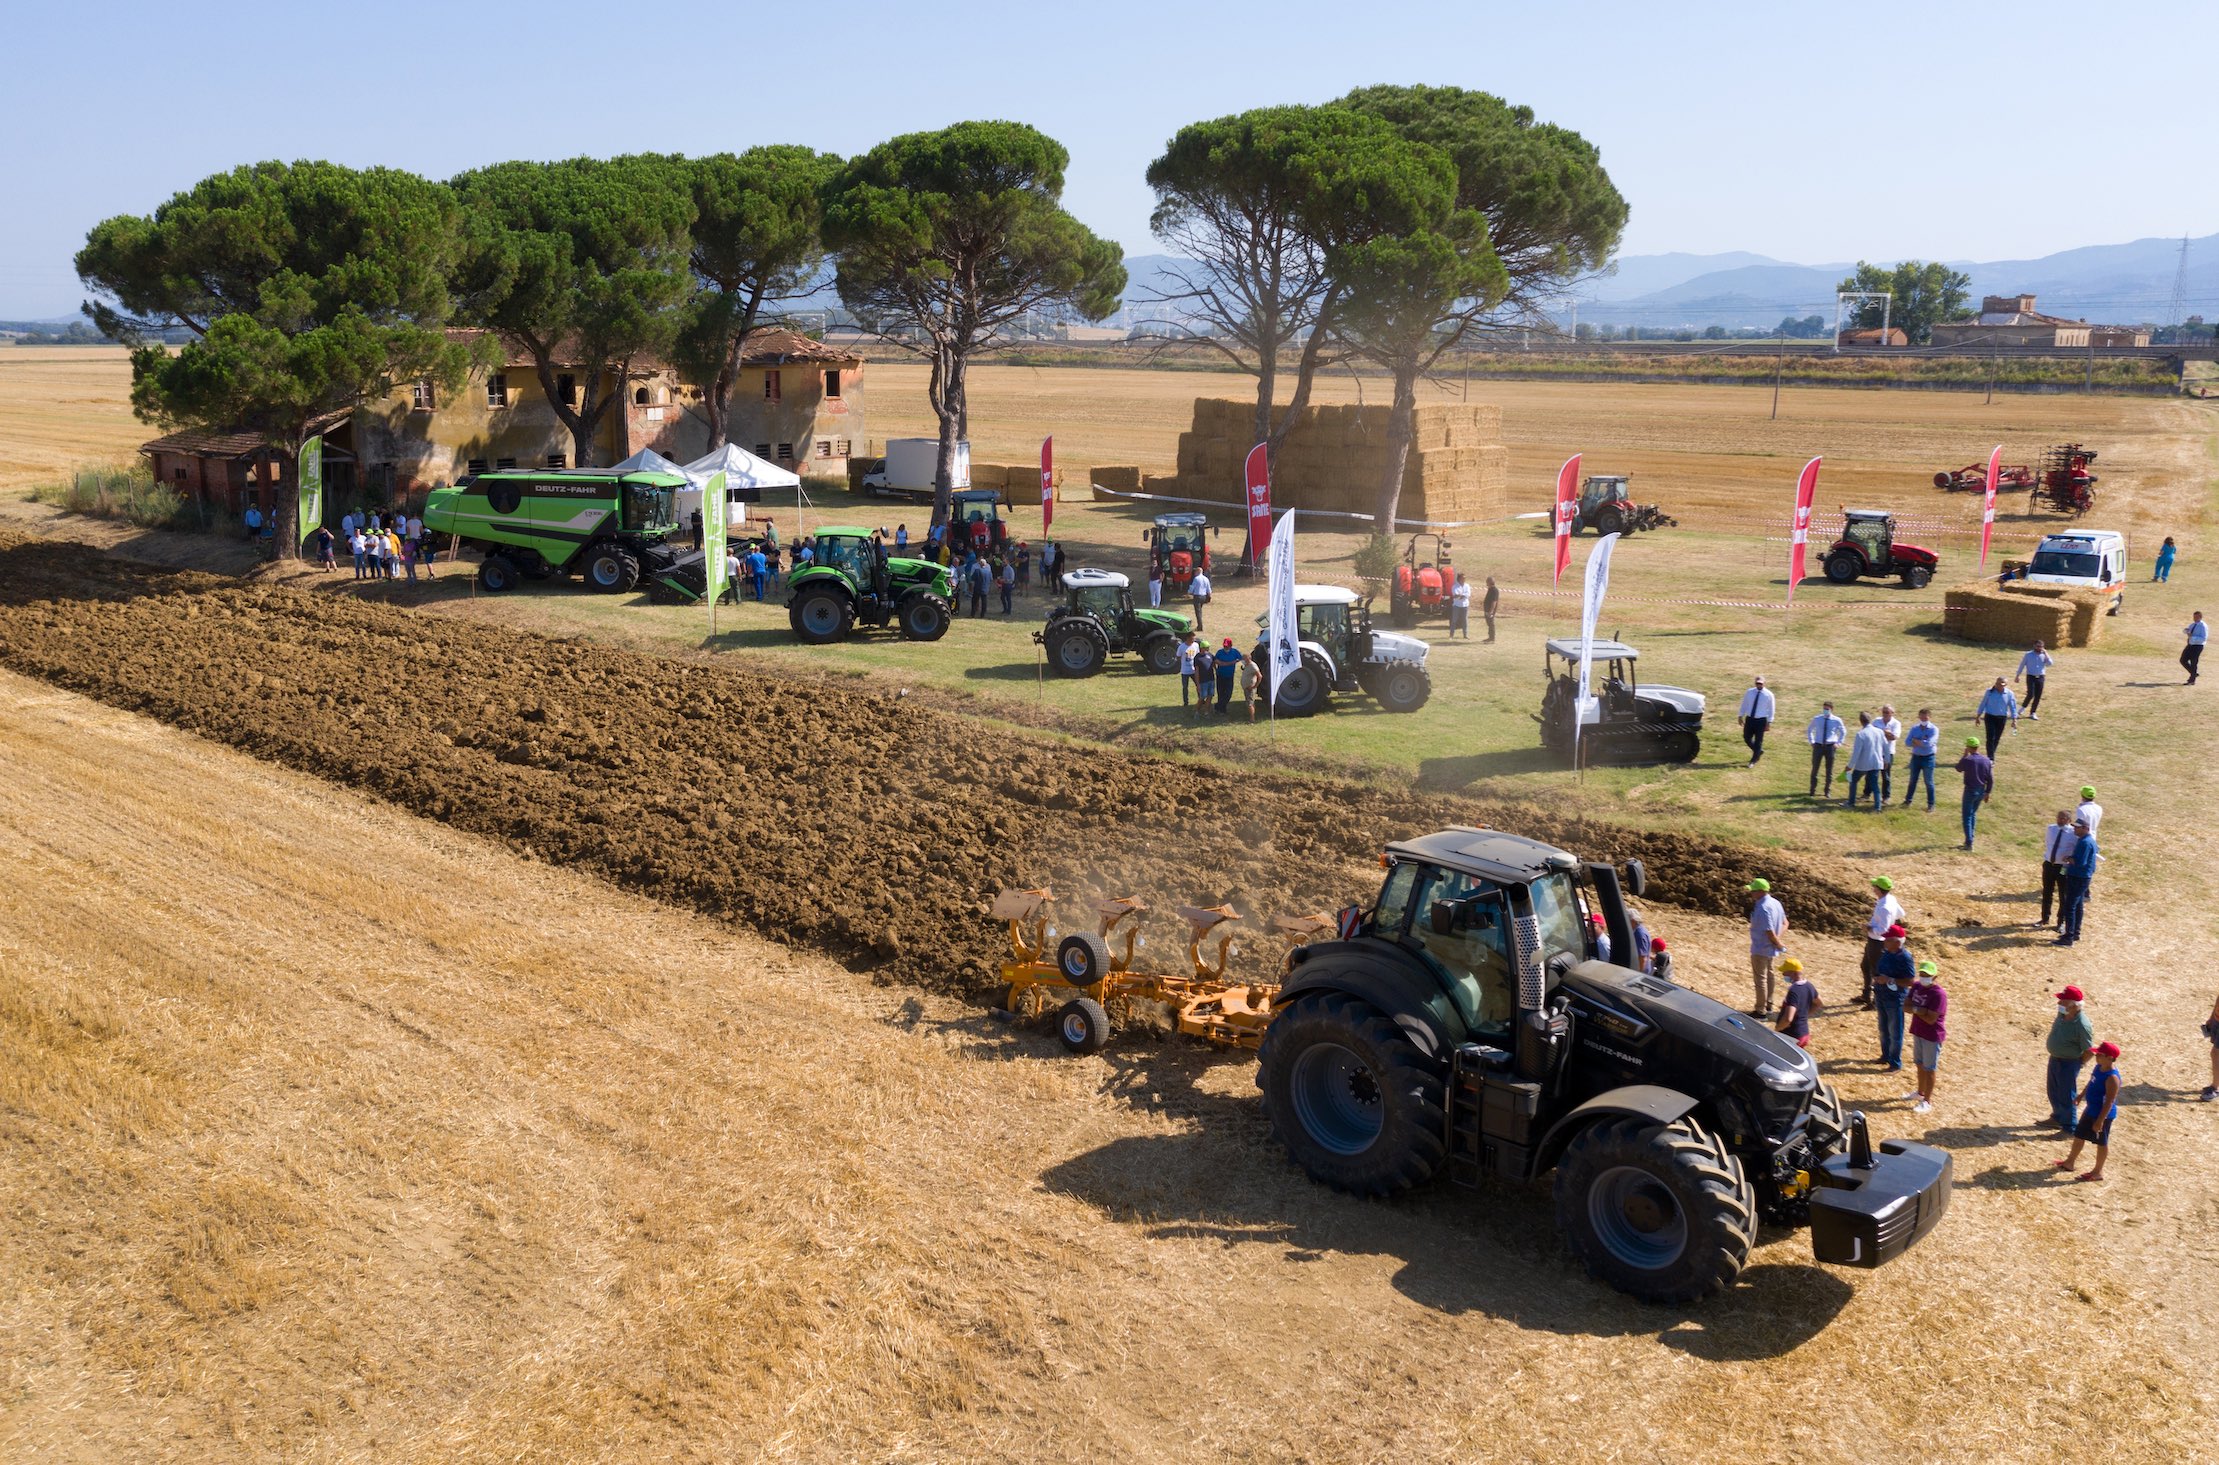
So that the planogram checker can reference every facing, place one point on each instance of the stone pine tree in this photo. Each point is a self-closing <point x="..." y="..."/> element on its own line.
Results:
<point x="307" y="289"/>
<point x="581" y="266"/>
<point x="756" y="243"/>
<point x="946" y="238"/>
<point x="1550" y="215"/>
<point x="1256" y="205"/>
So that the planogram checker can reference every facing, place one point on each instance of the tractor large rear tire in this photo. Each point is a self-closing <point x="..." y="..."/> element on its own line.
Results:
<point x="1077" y="647"/>
<point x="1660" y="1212"/>
<point x="925" y="617"/>
<point x="1354" y="1102"/>
<point x="1609" y="522"/>
<point x="821" y="616"/>
<point x="1305" y="690"/>
<point x="1400" y="686"/>
<point x="1843" y="566"/>
<point x="1402" y="612"/>
<point x="611" y="571"/>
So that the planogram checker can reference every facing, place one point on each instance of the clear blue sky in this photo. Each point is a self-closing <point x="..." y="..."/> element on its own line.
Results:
<point x="2011" y="130"/>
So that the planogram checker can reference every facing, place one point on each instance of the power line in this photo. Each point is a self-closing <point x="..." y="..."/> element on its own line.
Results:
<point x="2177" y="309"/>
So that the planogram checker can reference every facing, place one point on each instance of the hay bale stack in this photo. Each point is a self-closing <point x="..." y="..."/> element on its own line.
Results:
<point x="1334" y="456"/>
<point x="989" y="475"/>
<point x="2087" y="607"/>
<point x="1980" y="612"/>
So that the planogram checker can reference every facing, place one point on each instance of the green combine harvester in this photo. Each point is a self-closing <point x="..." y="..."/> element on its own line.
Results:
<point x="612" y="528"/>
<point x="853" y="581"/>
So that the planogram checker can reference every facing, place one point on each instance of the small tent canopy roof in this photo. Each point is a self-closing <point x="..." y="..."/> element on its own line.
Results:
<point x="1568" y="648"/>
<point x="741" y="469"/>
<point x="646" y="460"/>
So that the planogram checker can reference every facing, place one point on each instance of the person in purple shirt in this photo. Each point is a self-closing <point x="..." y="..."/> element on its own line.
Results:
<point x="1927" y="1005"/>
<point x="1980" y="781"/>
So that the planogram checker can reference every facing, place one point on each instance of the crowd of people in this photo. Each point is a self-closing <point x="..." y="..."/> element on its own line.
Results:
<point x="386" y="544"/>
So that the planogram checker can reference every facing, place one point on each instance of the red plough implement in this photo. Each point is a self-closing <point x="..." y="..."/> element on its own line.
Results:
<point x="1973" y="478"/>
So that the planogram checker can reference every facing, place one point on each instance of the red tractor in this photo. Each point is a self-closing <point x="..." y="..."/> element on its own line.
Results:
<point x="2066" y="485"/>
<point x="1420" y="589"/>
<point x="1178" y="544"/>
<point x="1868" y="546"/>
<point x="1605" y="508"/>
<point x="1973" y="478"/>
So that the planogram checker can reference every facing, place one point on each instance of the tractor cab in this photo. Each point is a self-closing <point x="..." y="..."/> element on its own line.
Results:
<point x="1178" y="545"/>
<point x="855" y="555"/>
<point x="975" y="520"/>
<point x="1103" y="594"/>
<point x="1868" y="546"/>
<point x="1601" y="489"/>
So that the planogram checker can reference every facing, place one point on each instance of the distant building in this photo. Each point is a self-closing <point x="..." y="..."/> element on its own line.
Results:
<point x="2011" y="321"/>
<point x="797" y="402"/>
<point x="1873" y="336"/>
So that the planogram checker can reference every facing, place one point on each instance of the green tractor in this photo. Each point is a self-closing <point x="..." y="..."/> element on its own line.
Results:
<point x="613" y="528"/>
<point x="1098" y="617"/>
<point x="854" y="581"/>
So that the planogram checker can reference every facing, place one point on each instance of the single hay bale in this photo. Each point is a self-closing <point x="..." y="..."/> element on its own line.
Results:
<point x="1120" y="476"/>
<point x="990" y="475"/>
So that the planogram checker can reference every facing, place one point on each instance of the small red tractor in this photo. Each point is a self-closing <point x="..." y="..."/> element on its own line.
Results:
<point x="1973" y="478"/>
<point x="2065" y="484"/>
<point x="1604" y="507"/>
<point x="1868" y="546"/>
<point x="1422" y="589"/>
<point x="1178" y="544"/>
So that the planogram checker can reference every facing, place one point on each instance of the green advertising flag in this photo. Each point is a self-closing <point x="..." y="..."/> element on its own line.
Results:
<point x="713" y="511"/>
<point x="311" y="486"/>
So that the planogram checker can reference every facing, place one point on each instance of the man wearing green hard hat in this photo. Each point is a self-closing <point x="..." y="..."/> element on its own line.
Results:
<point x="1886" y="911"/>
<point x="1768" y="929"/>
<point x="2089" y="809"/>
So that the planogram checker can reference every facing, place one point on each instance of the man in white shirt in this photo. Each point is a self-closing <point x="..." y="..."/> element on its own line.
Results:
<point x="2192" y="655"/>
<point x="1198" y="591"/>
<point x="1867" y="754"/>
<point x="2058" y="841"/>
<point x="1886" y="911"/>
<point x="2089" y="809"/>
<point x="1891" y="728"/>
<point x="1756" y="716"/>
<point x="2033" y="669"/>
<point x="1825" y="734"/>
<point x="1460" y="608"/>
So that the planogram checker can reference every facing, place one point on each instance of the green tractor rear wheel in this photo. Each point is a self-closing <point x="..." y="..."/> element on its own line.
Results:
<point x="821" y="615"/>
<point x="1077" y="647"/>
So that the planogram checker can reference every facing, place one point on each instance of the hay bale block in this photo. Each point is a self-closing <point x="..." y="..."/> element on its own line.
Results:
<point x="1980" y="612"/>
<point x="1123" y="476"/>
<point x="990" y="475"/>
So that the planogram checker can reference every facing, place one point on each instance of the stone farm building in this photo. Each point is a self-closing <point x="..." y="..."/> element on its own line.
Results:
<point x="797" y="402"/>
<point x="2010" y="322"/>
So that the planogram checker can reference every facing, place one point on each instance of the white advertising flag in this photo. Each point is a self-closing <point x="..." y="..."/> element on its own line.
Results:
<point x="1591" y="606"/>
<point x="1286" y="649"/>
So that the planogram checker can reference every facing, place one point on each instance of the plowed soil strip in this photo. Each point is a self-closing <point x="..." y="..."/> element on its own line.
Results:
<point x="851" y="822"/>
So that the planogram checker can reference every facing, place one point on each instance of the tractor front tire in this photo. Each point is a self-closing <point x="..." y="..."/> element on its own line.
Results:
<point x="925" y="617"/>
<point x="1401" y="686"/>
<point x="1917" y="577"/>
<point x="611" y="571"/>
<point x="1843" y="566"/>
<point x="1660" y="1212"/>
<point x="1348" y="1094"/>
<point x="821" y="616"/>
<point x="496" y="573"/>
<point x="1160" y="654"/>
<point x="1083" y="1025"/>
<point x="1076" y="648"/>
<point x="1305" y="690"/>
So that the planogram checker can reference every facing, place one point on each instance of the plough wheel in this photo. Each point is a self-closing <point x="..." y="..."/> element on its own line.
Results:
<point x="1083" y="1025"/>
<point x="1083" y="959"/>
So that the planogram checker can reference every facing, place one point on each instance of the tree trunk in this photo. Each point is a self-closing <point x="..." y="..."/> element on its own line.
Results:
<point x="286" y="508"/>
<point x="1267" y="387"/>
<point x="1401" y="429"/>
<point x="951" y="412"/>
<point x="1305" y="374"/>
<point x="716" y="405"/>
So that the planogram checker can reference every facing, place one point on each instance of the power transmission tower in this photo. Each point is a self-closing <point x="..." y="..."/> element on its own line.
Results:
<point x="2176" y="311"/>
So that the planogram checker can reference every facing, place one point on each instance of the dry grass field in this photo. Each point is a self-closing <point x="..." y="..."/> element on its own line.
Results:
<point x="329" y="1132"/>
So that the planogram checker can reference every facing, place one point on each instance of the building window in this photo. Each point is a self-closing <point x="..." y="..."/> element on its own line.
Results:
<point x="557" y="461"/>
<point x="762" y="450"/>
<point x="497" y="390"/>
<point x="178" y="473"/>
<point x="477" y="466"/>
<point x="504" y="464"/>
<point x="785" y="452"/>
<point x="566" y="390"/>
<point x="639" y="396"/>
<point x="824" y="447"/>
<point x="420" y="397"/>
<point x="832" y="381"/>
<point x="844" y="449"/>
<point x="770" y="386"/>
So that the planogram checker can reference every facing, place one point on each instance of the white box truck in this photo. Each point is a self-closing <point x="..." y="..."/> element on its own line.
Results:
<point x="2092" y="559"/>
<point x="910" y="465"/>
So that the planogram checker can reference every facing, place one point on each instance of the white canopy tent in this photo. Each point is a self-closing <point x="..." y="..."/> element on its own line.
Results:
<point x="741" y="469"/>
<point x="646" y="460"/>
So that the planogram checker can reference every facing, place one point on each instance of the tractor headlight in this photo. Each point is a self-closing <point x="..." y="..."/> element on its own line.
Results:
<point x="1786" y="1080"/>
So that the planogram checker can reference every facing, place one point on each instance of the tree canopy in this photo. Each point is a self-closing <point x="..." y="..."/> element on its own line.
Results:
<point x="756" y="241"/>
<point x="579" y="264"/>
<point x="952" y="236"/>
<point x="1922" y="296"/>
<point x="307" y="287"/>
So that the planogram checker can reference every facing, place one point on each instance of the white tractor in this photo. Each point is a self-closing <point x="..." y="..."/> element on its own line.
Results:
<point x="1342" y="653"/>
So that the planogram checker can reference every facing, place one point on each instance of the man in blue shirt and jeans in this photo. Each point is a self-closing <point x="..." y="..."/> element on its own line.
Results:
<point x="1998" y="708"/>
<point x="2080" y="872"/>
<point x="1891" y="983"/>
<point x="1923" y="740"/>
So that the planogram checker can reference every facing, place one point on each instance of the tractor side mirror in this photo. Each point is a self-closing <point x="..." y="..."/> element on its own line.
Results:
<point x="1637" y="879"/>
<point x="1442" y="917"/>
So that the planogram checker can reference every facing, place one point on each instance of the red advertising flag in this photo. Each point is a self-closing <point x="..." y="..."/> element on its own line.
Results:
<point x="1806" y="490"/>
<point x="1988" y="513"/>
<point x="1258" y="473"/>
<point x="1047" y="484"/>
<point x="1567" y="506"/>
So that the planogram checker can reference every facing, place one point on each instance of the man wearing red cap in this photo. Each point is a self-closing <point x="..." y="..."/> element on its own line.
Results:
<point x="2071" y="1036"/>
<point x="1892" y="974"/>
<point x="2099" y="1106"/>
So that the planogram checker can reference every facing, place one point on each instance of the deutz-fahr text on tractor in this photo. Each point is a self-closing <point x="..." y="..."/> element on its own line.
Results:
<point x="1464" y="1026"/>
<point x="853" y="581"/>
<point x="1340" y="652"/>
<point x="1868" y="546"/>
<point x="1098" y="617"/>
<point x="1605" y="507"/>
<point x="612" y="528"/>
<point x="1628" y="723"/>
<point x="1422" y="588"/>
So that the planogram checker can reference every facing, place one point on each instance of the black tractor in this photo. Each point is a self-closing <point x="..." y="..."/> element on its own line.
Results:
<point x="1098" y="617"/>
<point x="1627" y="722"/>
<point x="1467" y="1026"/>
